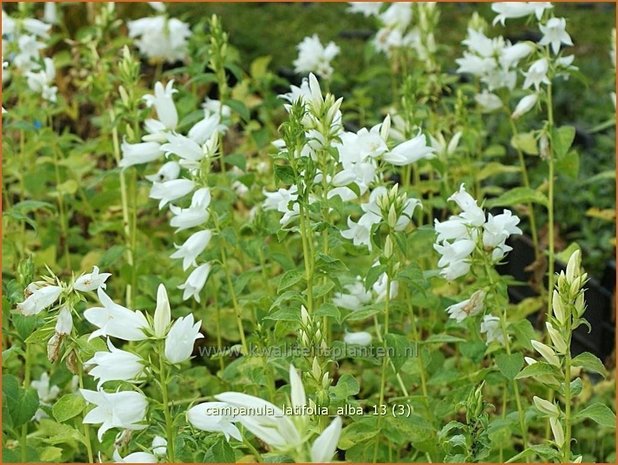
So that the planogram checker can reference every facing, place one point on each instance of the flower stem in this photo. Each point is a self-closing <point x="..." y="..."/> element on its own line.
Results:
<point x="230" y="285"/>
<point x="125" y="208"/>
<point x="85" y="426"/>
<point x="23" y="442"/>
<point x="169" y="422"/>
<point x="307" y="257"/>
<point x="550" y="204"/>
<point x="566" y="448"/>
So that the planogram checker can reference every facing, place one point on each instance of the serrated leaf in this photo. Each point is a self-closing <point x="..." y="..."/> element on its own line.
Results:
<point x="289" y="279"/>
<point x="562" y="139"/>
<point x="590" y="362"/>
<point x="510" y="365"/>
<point x="399" y="349"/>
<point x="538" y="369"/>
<point x="598" y="413"/>
<point x="525" y="142"/>
<point x="517" y="196"/>
<point x="68" y="406"/>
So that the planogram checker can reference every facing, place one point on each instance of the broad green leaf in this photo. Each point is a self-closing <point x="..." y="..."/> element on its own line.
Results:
<point x="329" y="310"/>
<point x="289" y="279"/>
<point x="510" y="365"/>
<point x="68" y="406"/>
<point x="525" y="142"/>
<point x="399" y="349"/>
<point x="589" y="362"/>
<point x="562" y="139"/>
<point x="538" y="369"/>
<point x="598" y="413"/>
<point x="518" y="196"/>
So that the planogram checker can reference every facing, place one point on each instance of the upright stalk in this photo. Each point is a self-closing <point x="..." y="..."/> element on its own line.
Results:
<point x="230" y="285"/>
<point x="566" y="448"/>
<point x="125" y="208"/>
<point x="550" y="202"/>
<point x="24" y="429"/>
<point x="85" y="426"/>
<point x="169" y="421"/>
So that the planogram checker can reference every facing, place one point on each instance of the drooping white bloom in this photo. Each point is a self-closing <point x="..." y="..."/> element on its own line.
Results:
<point x="47" y="393"/>
<point x="325" y="446"/>
<point x="181" y="338"/>
<point x="159" y="446"/>
<point x="397" y="15"/>
<point x="115" y="365"/>
<point x="195" y="215"/>
<point x="40" y="299"/>
<point x="160" y="38"/>
<point x="284" y="201"/>
<point x="454" y="260"/>
<point x="510" y="55"/>
<point x="64" y="322"/>
<point x="469" y="307"/>
<point x="498" y="228"/>
<point x="169" y="191"/>
<point x="471" y="212"/>
<point x="355" y="297"/>
<point x="91" y="281"/>
<point x="115" y="320"/>
<point x="526" y="104"/>
<point x="537" y="74"/>
<point x="276" y="430"/>
<point x="455" y="227"/>
<point x="139" y="153"/>
<point x="380" y="288"/>
<point x="313" y="57"/>
<point x="365" y="8"/>
<point x="50" y="13"/>
<point x="124" y="409"/>
<point x="487" y="101"/>
<point x="361" y="338"/>
<point x="214" y="417"/>
<point x="163" y="102"/>
<point x="360" y="232"/>
<point x="410" y="152"/>
<point x="163" y="312"/>
<point x="203" y="130"/>
<point x="168" y="172"/>
<point x="135" y="457"/>
<point x="555" y="34"/>
<point x="195" y="282"/>
<point x="511" y="10"/>
<point x="490" y="326"/>
<point x="40" y="81"/>
<point x="185" y="147"/>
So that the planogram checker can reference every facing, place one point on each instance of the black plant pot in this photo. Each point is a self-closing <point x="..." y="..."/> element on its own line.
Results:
<point x="601" y="339"/>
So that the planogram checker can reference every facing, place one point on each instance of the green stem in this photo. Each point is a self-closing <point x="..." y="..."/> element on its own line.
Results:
<point x="125" y="207"/>
<point x="87" y="439"/>
<point x="550" y="204"/>
<point x="230" y="285"/>
<point x="23" y="442"/>
<point x="64" y="236"/>
<point x="507" y="345"/>
<point x="169" y="422"/>
<point x="526" y="180"/>
<point x="566" y="448"/>
<point x="307" y="257"/>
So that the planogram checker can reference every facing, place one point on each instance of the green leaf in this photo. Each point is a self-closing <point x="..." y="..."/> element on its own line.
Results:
<point x="538" y="369"/>
<point x="518" y="196"/>
<point x="510" y="365"/>
<point x="285" y="174"/>
<point x="589" y="362"/>
<point x="568" y="164"/>
<point x="284" y="314"/>
<point x="68" y="406"/>
<point x="111" y="255"/>
<point x="220" y="452"/>
<point x="289" y="279"/>
<point x="598" y="413"/>
<point x="19" y="405"/>
<point x="562" y="139"/>
<point x="358" y="432"/>
<point x="399" y="349"/>
<point x="329" y="310"/>
<point x="347" y="386"/>
<point x="442" y="339"/>
<point x="525" y="142"/>
<point x="239" y="108"/>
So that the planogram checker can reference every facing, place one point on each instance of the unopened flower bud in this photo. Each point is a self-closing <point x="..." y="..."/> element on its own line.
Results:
<point x="547" y="352"/>
<point x="556" y="338"/>
<point x="559" y="310"/>
<point x="53" y="348"/>
<point x="316" y="371"/>
<point x="304" y="315"/>
<point x="325" y="381"/>
<point x="546" y="407"/>
<point x="556" y="428"/>
<point x="573" y="266"/>
<point x="388" y="247"/>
